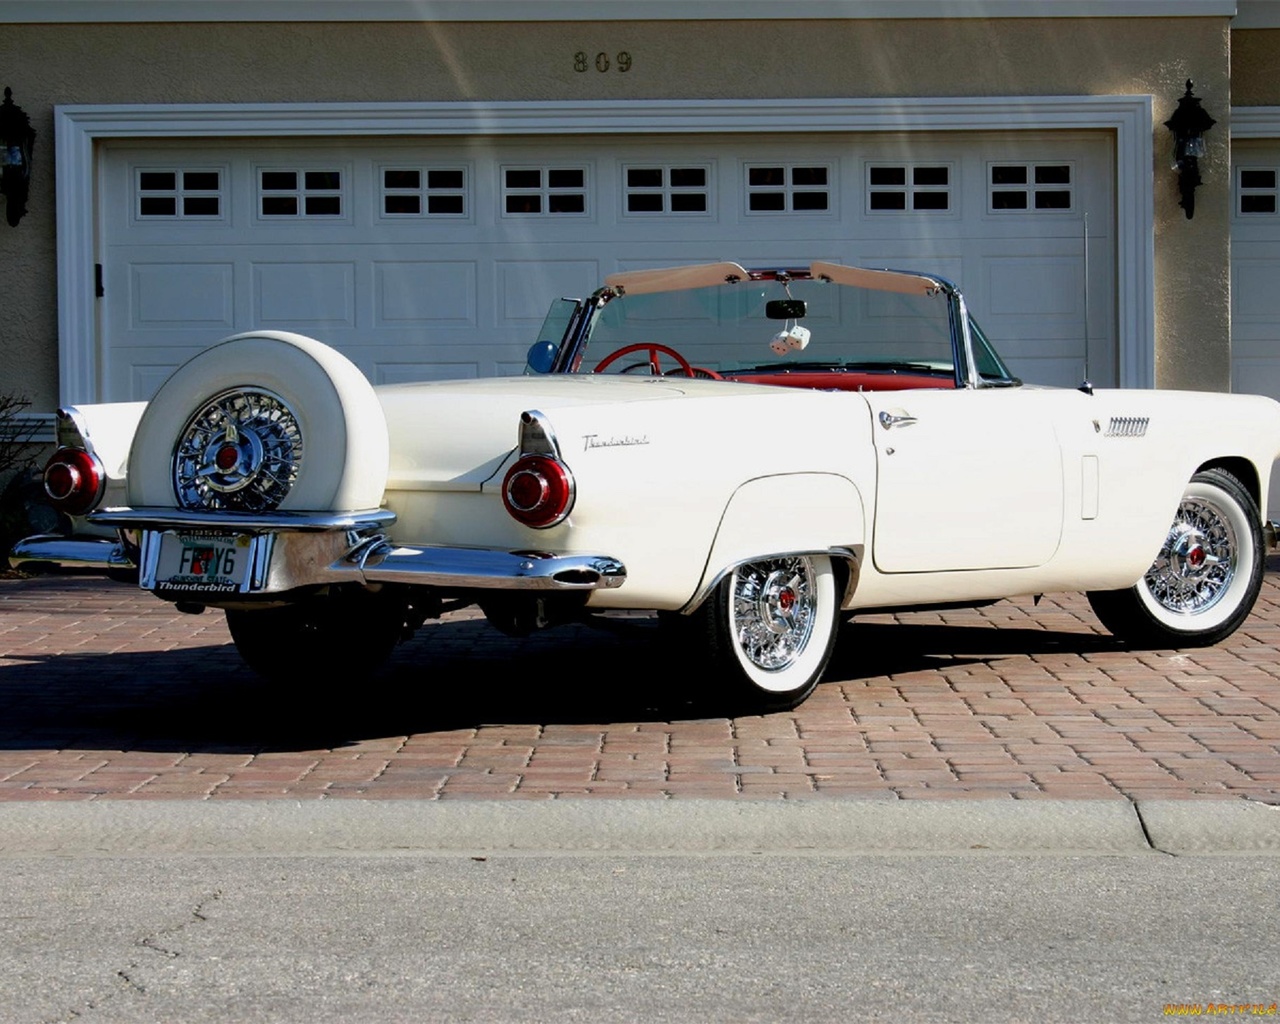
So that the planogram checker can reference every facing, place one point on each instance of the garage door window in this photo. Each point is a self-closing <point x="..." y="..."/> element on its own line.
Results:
<point x="544" y="191"/>
<point x="902" y="188"/>
<point x="167" y="194"/>
<point x="1031" y="187"/>
<point x="1256" y="190"/>
<point x="299" y="193"/>
<point x="424" y="192"/>
<point x="788" y="188"/>
<point x="666" y="190"/>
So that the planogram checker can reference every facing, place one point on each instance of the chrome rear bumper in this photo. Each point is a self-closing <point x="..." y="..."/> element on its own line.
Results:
<point x="483" y="568"/>
<point x="55" y="553"/>
<point x="310" y="549"/>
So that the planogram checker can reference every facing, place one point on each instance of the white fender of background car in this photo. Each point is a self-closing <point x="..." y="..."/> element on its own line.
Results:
<point x="345" y="455"/>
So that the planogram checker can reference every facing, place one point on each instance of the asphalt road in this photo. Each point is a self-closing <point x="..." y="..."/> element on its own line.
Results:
<point x="690" y="911"/>
<point x="993" y="816"/>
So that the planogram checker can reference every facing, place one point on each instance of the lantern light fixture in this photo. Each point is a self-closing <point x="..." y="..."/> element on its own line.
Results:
<point x="1188" y="124"/>
<point x="17" y="140"/>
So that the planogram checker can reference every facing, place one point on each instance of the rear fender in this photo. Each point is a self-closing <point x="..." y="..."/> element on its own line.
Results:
<point x="793" y="513"/>
<point x="106" y="431"/>
<point x="103" y="430"/>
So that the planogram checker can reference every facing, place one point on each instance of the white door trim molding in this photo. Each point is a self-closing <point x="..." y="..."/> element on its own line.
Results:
<point x="78" y="128"/>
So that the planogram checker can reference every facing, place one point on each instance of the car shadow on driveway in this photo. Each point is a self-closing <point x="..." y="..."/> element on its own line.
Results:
<point x="457" y="675"/>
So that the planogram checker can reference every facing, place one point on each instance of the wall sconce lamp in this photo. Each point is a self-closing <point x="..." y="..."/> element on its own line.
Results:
<point x="1188" y="124"/>
<point x="17" y="139"/>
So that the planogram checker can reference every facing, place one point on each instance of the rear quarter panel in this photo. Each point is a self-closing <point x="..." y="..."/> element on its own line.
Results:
<point x="679" y="489"/>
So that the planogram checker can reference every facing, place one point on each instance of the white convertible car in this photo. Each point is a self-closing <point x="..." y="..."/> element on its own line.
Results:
<point x="749" y="453"/>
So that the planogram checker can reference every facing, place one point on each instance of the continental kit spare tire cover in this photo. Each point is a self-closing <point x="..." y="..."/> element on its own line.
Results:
<point x="262" y="421"/>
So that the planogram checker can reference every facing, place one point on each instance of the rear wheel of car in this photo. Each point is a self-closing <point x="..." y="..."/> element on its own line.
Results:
<point x="344" y="634"/>
<point x="1206" y="578"/>
<point x="262" y="421"/>
<point x="769" y="629"/>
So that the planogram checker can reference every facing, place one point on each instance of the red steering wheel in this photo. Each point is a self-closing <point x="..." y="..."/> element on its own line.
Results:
<point x="653" y="348"/>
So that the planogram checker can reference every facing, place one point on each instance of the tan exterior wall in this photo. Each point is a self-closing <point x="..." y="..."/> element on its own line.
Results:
<point x="155" y="63"/>
<point x="1255" y="68"/>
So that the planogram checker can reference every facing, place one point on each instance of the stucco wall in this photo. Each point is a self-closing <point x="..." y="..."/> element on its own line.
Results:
<point x="1255" y="67"/>
<point x="48" y="65"/>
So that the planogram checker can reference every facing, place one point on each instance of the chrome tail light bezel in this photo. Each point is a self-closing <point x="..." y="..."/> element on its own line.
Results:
<point x="74" y="480"/>
<point x="555" y="491"/>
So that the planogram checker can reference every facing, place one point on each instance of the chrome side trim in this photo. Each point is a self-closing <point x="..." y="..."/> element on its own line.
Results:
<point x="52" y="552"/>
<point x="1127" y="426"/>
<point x="244" y="522"/>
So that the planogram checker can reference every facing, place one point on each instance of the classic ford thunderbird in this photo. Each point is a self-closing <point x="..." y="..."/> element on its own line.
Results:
<point x="751" y="454"/>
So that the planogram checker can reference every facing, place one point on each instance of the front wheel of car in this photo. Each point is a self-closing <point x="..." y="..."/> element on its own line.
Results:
<point x="769" y="629"/>
<point x="1206" y="578"/>
<point x="339" y="636"/>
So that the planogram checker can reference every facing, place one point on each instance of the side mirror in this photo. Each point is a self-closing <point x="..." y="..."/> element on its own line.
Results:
<point x="785" y="309"/>
<point x="541" y="357"/>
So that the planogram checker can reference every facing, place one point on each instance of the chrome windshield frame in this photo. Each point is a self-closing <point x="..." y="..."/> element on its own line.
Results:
<point x="573" y="344"/>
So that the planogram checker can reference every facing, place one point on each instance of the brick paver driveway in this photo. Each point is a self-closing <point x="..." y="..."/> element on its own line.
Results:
<point x="106" y="692"/>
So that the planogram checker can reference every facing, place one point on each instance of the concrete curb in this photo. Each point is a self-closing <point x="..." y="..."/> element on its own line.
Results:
<point x="1208" y="827"/>
<point x="248" y="827"/>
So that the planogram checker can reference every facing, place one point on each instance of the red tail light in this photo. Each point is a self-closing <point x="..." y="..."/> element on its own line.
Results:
<point x="538" y="491"/>
<point x="73" y="480"/>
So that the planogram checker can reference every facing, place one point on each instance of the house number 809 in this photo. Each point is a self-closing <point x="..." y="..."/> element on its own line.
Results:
<point x="621" y="61"/>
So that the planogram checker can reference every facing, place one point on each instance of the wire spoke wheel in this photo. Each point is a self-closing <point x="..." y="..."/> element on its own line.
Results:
<point x="768" y="629"/>
<point x="773" y="609"/>
<point x="1197" y="564"/>
<point x="240" y="451"/>
<point x="1206" y="577"/>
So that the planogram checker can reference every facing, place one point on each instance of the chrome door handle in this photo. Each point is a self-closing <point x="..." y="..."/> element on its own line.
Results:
<point x="889" y="420"/>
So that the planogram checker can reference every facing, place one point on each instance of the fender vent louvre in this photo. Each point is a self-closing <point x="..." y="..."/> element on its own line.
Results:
<point x="1128" y="426"/>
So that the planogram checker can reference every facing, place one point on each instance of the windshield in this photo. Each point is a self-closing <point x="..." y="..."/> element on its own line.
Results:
<point x="730" y="330"/>
<point x="991" y="368"/>
<point x="834" y="327"/>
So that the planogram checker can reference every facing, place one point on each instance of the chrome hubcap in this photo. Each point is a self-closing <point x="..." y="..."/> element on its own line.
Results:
<point x="773" y="608"/>
<point x="240" y="451"/>
<point x="1198" y="561"/>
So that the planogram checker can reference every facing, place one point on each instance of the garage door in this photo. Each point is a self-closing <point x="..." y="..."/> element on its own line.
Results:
<point x="1255" y="268"/>
<point x="436" y="258"/>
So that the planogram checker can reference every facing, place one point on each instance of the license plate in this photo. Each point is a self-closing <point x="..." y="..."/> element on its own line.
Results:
<point x="204" y="563"/>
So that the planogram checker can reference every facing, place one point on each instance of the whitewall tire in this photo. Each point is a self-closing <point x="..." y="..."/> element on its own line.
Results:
<point x="1206" y="578"/>
<point x="769" y="629"/>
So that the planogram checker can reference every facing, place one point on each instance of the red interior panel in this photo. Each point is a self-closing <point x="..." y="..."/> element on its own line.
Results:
<point x="845" y="381"/>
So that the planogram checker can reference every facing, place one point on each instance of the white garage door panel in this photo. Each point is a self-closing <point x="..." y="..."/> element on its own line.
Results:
<point x="525" y="288"/>
<point x="1044" y="286"/>
<point x="1255" y="269"/>
<point x="1255" y="300"/>
<point x="433" y="258"/>
<point x="424" y="293"/>
<point x="306" y="294"/>
<point x="164" y="296"/>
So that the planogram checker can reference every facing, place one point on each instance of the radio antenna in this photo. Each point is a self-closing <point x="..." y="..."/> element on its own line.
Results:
<point x="1087" y="385"/>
